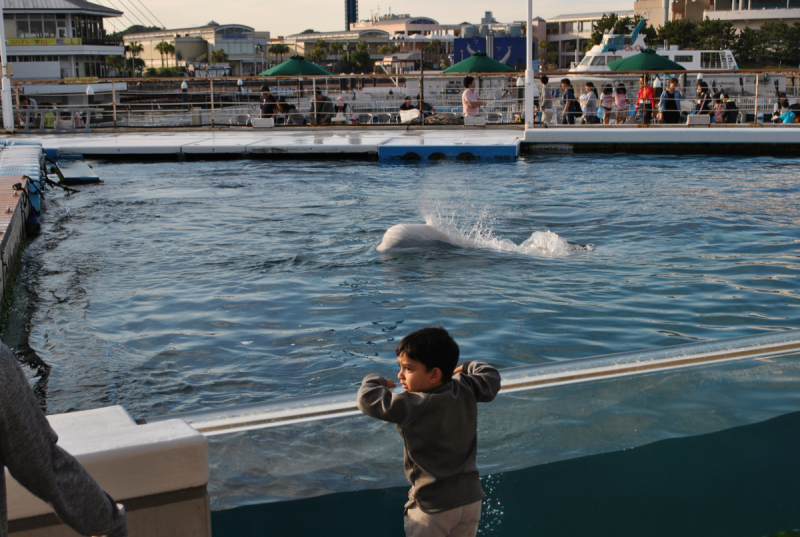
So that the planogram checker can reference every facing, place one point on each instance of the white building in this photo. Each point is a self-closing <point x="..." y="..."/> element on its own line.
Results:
<point x="246" y="48"/>
<point x="572" y="32"/>
<point x="58" y="39"/>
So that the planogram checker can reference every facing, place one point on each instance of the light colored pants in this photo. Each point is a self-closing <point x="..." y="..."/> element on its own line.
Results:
<point x="459" y="522"/>
<point x="547" y="116"/>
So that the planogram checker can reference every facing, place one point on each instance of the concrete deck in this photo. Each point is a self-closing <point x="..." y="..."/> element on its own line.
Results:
<point x="425" y="143"/>
<point x="358" y="143"/>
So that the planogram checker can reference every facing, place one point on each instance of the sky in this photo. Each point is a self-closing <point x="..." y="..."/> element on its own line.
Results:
<point x="294" y="16"/>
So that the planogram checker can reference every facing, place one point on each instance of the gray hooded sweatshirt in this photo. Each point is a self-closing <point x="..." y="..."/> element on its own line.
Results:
<point x="440" y="433"/>
<point x="28" y="449"/>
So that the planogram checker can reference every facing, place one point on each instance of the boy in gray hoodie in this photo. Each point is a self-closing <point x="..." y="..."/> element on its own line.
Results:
<point x="437" y="416"/>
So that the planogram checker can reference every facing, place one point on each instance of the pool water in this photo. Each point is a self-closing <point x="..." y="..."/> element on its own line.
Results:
<point x="178" y="286"/>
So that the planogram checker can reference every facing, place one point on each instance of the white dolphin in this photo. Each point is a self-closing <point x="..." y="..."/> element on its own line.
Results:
<point x="404" y="236"/>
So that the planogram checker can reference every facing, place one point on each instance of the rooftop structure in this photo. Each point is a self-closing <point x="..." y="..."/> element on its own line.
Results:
<point x="56" y="39"/>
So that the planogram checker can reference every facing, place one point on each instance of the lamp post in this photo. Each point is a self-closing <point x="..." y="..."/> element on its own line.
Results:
<point x="529" y="114"/>
<point x="5" y="98"/>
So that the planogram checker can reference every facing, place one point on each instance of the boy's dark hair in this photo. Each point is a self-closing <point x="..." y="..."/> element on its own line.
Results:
<point x="567" y="82"/>
<point x="468" y="80"/>
<point x="545" y="80"/>
<point x="432" y="347"/>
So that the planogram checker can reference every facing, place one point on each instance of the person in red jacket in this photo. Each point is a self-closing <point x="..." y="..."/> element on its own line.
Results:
<point x="645" y="101"/>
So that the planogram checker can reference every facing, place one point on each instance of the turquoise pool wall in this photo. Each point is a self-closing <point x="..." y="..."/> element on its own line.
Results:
<point x="743" y="481"/>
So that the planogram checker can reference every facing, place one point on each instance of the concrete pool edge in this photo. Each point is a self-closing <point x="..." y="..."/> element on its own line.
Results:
<point x="427" y="144"/>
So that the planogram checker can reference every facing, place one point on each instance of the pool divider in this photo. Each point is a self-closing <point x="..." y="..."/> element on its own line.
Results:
<point x="343" y="404"/>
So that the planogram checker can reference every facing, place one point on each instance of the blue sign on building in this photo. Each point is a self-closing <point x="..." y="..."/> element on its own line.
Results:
<point x="509" y="50"/>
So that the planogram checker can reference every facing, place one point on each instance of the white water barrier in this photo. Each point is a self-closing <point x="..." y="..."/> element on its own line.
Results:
<point x="302" y="447"/>
<point x="343" y="404"/>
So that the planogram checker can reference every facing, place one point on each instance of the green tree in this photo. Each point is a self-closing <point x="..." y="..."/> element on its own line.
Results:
<point x="178" y="57"/>
<point x="116" y="63"/>
<point x="135" y="48"/>
<point x="162" y="49"/>
<point x="171" y="51"/>
<point x="681" y="32"/>
<point x="715" y="34"/>
<point x="362" y="46"/>
<point x="337" y="48"/>
<point x="548" y="53"/>
<point x="747" y="46"/>
<point x="278" y="49"/>
<point x="317" y="55"/>
<point x="793" y="45"/>
<point x="361" y="61"/>
<point x="773" y="36"/>
<point x="388" y="49"/>
<point x="218" y="56"/>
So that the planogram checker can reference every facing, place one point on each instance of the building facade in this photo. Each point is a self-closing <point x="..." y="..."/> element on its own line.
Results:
<point x="571" y="33"/>
<point x="742" y="13"/>
<point x="58" y="39"/>
<point x="246" y="48"/>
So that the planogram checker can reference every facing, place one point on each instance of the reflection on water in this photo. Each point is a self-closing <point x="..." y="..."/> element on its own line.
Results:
<point x="178" y="286"/>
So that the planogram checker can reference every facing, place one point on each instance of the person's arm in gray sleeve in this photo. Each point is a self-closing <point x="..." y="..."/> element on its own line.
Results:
<point x="29" y="450"/>
<point x="375" y="399"/>
<point x="483" y="379"/>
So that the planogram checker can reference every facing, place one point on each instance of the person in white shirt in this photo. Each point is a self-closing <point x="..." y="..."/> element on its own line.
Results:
<point x="470" y="99"/>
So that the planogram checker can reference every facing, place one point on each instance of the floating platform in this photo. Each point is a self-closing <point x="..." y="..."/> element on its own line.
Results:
<point x="384" y="144"/>
<point x="421" y="143"/>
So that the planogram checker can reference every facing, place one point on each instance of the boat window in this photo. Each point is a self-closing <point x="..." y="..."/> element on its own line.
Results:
<point x="684" y="59"/>
<point x="610" y="59"/>
<point x="599" y="60"/>
<point x="628" y="40"/>
<point x="710" y="60"/>
<point x="587" y="60"/>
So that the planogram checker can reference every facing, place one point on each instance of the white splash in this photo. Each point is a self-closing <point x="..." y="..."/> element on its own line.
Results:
<point x="414" y="236"/>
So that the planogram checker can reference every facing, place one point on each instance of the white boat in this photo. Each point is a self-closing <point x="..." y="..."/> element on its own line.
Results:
<point x="616" y="47"/>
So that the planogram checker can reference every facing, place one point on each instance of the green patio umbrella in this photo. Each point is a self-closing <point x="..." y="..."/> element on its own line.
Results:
<point x="646" y="61"/>
<point x="479" y="63"/>
<point x="296" y="66"/>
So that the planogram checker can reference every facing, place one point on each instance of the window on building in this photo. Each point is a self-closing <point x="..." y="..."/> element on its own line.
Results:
<point x="23" y="29"/>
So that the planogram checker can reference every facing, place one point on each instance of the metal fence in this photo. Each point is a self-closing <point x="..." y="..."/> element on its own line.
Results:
<point x="363" y="101"/>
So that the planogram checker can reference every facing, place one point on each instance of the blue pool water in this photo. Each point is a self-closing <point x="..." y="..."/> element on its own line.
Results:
<point x="182" y="286"/>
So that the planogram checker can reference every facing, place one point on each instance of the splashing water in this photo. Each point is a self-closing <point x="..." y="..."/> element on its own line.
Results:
<point x="414" y="236"/>
<point x="453" y="217"/>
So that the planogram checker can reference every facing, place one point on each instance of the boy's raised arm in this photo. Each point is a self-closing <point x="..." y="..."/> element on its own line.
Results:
<point x="482" y="378"/>
<point x="377" y="400"/>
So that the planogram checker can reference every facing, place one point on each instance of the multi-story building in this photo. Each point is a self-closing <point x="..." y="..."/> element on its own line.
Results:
<point x="58" y="39"/>
<point x="754" y="13"/>
<point x="742" y="13"/>
<point x="245" y="47"/>
<point x="572" y="32"/>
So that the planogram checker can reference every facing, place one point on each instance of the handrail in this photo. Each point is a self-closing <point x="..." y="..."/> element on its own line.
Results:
<point x="280" y="412"/>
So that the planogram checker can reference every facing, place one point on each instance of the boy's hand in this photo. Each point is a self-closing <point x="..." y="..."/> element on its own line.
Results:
<point x="458" y="369"/>
<point x="390" y="384"/>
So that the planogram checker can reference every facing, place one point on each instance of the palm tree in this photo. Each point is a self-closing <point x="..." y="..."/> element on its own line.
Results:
<point x="171" y="51"/>
<point x="279" y="49"/>
<point x="135" y="48"/>
<point x="218" y="56"/>
<point x="162" y="49"/>
<point x="115" y="62"/>
<point x="337" y="48"/>
<point x="362" y="46"/>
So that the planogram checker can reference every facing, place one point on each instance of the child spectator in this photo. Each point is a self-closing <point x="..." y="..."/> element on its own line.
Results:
<point x="719" y="109"/>
<point x="607" y="103"/>
<point x="620" y="105"/>
<point x="437" y="416"/>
